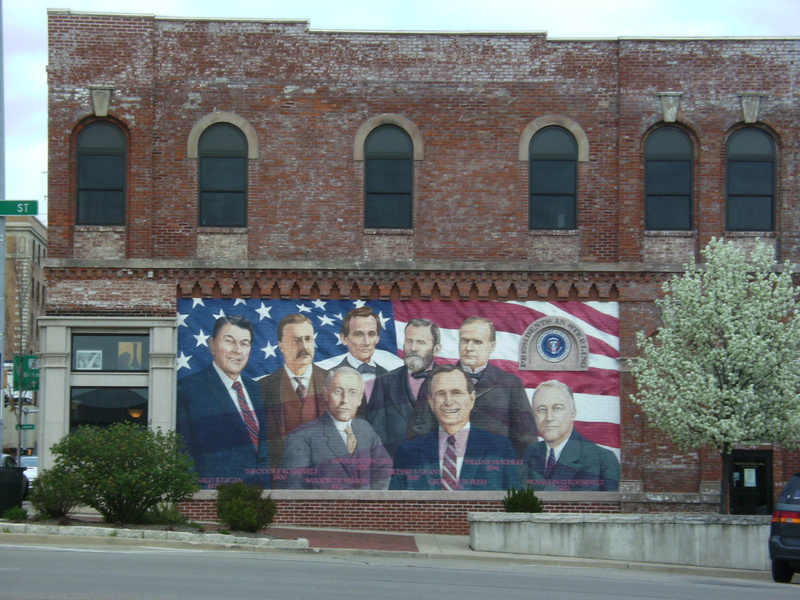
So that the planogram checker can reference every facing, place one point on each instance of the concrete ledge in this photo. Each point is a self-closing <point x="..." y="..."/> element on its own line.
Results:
<point x="150" y="534"/>
<point x="721" y="541"/>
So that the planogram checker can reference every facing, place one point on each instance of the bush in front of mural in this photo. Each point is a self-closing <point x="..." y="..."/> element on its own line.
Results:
<point x="243" y="507"/>
<point x="56" y="493"/>
<point x="124" y="470"/>
<point x="523" y="500"/>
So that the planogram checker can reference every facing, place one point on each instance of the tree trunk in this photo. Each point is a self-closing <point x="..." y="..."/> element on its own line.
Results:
<point x="725" y="481"/>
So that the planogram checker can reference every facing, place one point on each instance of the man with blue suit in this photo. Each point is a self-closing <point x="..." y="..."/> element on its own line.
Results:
<point x="220" y="414"/>
<point x="395" y="394"/>
<point x="565" y="460"/>
<point x="456" y="456"/>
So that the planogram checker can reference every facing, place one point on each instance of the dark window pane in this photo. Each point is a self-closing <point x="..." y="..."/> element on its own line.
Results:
<point x="101" y="136"/>
<point x="388" y="140"/>
<point x="98" y="172"/>
<point x="669" y="212"/>
<point x="222" y="138"/>
<point x="104" y="406"/>
<point x="552" y="141"/>
<point x="750" y="213"/>
<point x="111" y="352"/>
<point x="388" y="176"/>
<point x="669" y="177"/>
<point x="552" y="177"/>
<point x="745" y="178"/>
<point x="668" y="141"/>
<point x="223" y="174"/>
<point x="221" y="209"/>
<point x="101" y="207"/>
<point x="552" y="212"/>
<point x="750" y="142"/>
<point x="388" y="211"/>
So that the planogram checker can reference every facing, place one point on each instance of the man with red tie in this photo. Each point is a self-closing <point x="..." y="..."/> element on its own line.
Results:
<point x="220" y="414"/>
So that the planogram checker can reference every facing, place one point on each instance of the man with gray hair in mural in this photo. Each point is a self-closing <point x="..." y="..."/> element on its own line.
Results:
<point x="565" y="460"/>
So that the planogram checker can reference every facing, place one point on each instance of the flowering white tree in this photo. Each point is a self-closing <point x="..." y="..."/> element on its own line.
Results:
<point x="724" y="368"/>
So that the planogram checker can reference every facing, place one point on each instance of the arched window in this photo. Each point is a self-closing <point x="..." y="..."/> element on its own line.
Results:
<point x="751" y="181"/>
<point x="553" y="179"/>
<point x="101" y="149"/>
<point x="388" y="179"/>
<point x="222" y="151"/>
<point x="668" y="180"/>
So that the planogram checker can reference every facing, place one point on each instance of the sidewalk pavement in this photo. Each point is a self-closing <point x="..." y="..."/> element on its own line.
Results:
<point x="341" y="542"/>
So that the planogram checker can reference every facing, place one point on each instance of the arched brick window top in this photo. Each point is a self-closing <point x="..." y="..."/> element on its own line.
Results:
<point x="547" y="121"/>
<point x="396" y="120"/>
<point x="222" y="117"/>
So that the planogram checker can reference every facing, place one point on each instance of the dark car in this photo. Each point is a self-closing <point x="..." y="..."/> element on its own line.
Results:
<point x="784" y="534"/>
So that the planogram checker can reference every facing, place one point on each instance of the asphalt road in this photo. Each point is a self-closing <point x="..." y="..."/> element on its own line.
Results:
<point x="72" y="572"/>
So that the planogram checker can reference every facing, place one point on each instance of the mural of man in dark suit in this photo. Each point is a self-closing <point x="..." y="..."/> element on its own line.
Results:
<point x="565" y="460"/>
<point x="292" y="395"/>
<point x="501" y="405"/>
<point x="219" y="412"/>
<point x="337" y="450"/>
<point x="457" y="455"/>
<point x="361" y="332"/>
<point x="395" y="394"/>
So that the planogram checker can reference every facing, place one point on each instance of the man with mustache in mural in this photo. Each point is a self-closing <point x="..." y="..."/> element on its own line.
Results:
<point x="501" y="404"/>
<point x="292" y="395"/>
<point x="395" y="394"/>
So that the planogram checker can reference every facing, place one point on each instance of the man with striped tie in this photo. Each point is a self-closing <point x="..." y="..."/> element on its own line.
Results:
<point x="220" y="414"/>
<point x="456" y="456"/>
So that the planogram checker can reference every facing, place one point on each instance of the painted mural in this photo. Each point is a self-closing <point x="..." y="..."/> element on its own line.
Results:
<point x="410" y="395"/>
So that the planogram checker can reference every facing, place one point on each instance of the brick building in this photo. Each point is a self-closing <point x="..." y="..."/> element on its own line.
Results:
<point x="249" y="160"/>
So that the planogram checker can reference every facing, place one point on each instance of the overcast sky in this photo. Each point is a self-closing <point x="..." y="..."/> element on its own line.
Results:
<point x="25" y="39"/>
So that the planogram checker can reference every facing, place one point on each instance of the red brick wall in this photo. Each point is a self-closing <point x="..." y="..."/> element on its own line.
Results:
<point x="420" y="516"/>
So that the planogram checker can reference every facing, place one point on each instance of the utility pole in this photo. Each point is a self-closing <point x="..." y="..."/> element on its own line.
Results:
<point x="2" y="229"/>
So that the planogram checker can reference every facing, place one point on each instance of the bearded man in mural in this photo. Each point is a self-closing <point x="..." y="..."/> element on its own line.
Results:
<point x="395" y="394"/>
<point x="361" y="332"/>
<point x="565" y="460"/>
<point x="501" y="405"/>
<point x="456" y="455"/>
<point x="219" y="412"/>
<point x="293" y="394"/>
<point x="337" y="451"/>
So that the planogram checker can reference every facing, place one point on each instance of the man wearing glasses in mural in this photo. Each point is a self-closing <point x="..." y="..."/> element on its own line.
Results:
<point x="457" y="455"/>
<point x="337" y="451"/>
<point x="361" y="332"/>
<point x="219" y="412"/>
<point x="565" y="460"/>
<point x="395" y="394"/>
<point x="293" y="394"/>
<point x="501" y="405"/>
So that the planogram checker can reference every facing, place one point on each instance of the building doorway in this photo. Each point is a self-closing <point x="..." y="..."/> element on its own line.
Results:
<point x="751" y="485"/>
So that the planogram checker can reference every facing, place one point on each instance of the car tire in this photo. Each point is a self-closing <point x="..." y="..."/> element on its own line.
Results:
<point x="781" y="572"/>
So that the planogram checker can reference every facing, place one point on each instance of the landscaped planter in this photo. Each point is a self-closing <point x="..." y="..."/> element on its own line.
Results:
<point x="732" y="542"/>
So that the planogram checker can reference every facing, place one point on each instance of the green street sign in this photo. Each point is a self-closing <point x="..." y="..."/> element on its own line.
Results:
<point x="19" y="207"/>
<point x="28" y="368"/>
<point x="26" y="426"/>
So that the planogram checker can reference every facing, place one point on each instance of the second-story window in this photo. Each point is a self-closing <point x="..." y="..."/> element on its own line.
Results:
<point x="388" y="179"/>
<point x="101" y="157"/>
<point x="553" y="179"/>
<point x="222" y="150"/>
<point x="751" y="181"/>
<point x="668" y="180"/>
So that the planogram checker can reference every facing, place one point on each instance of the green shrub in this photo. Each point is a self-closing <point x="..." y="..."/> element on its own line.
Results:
<point x="165" y="514"/>
<point x="55" y="493"/>
<point x="126" y="469"/>
<point x="523" y="500"/>
<point x="242" y="507"/>
<point x="16" y="513"/>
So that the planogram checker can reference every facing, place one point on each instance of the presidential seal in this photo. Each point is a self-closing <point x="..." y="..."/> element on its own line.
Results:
<point x="553" y="345"/>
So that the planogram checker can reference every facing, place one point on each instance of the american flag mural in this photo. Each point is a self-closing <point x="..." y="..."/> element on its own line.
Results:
<point x="596" y="391"/>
